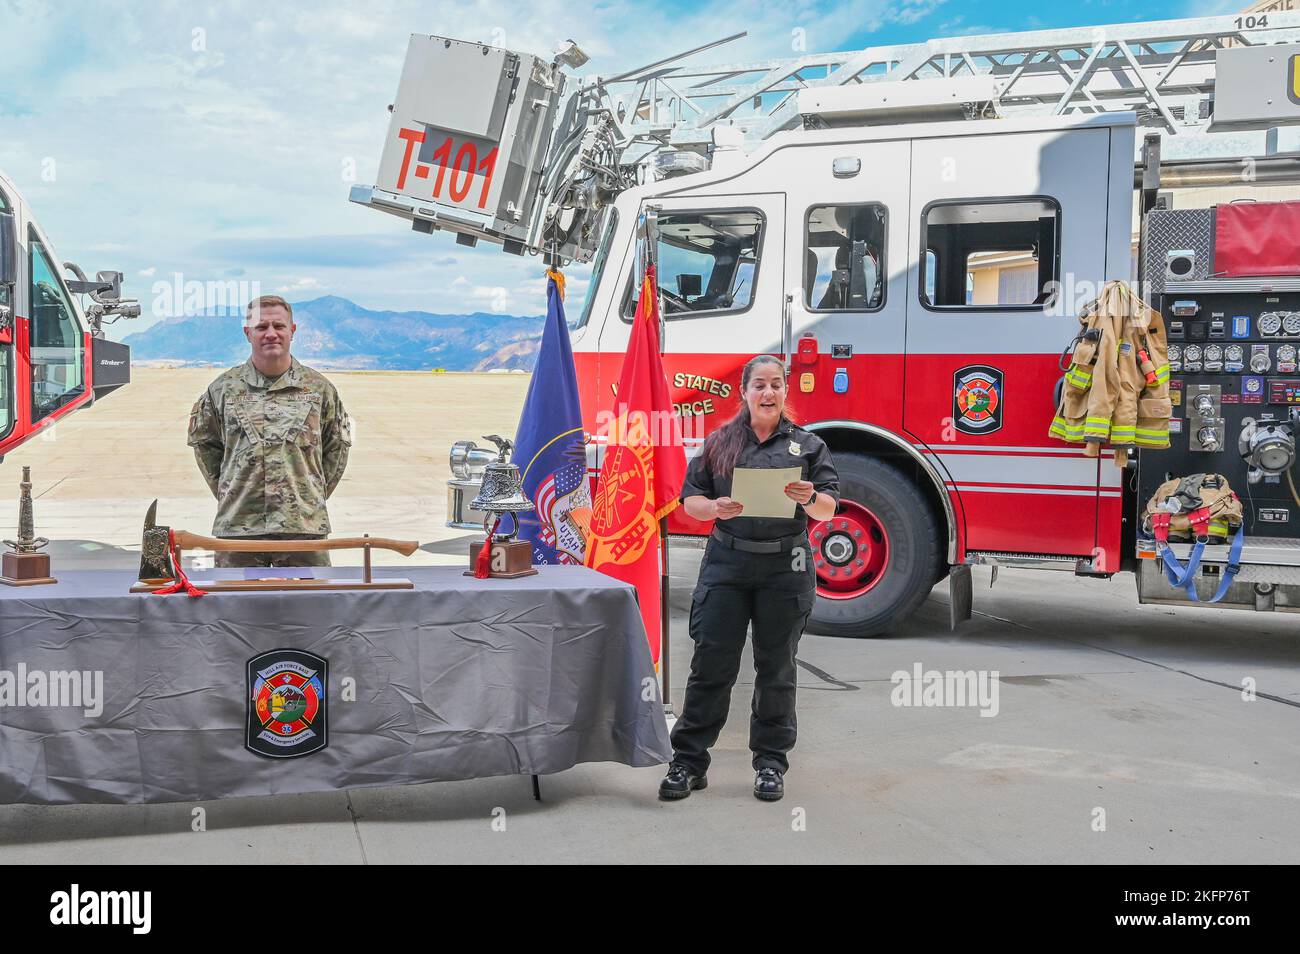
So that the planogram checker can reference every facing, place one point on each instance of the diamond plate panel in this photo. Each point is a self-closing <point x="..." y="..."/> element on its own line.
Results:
<point x="1170" y="230"/>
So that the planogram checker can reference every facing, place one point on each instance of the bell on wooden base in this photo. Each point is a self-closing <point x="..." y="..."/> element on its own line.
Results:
<point x="22" y="565"/>
<point x="502" y="492"/>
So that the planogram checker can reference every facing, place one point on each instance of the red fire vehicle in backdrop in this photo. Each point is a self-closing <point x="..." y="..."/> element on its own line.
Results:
<point x="915" y="244"/>
<point x="54" y="357"/>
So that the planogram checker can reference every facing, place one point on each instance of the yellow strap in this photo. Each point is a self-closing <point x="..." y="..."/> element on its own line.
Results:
<point x="558" y="275"/>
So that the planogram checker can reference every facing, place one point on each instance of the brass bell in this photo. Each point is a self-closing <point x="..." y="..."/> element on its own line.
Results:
<point x="502" y="489"/>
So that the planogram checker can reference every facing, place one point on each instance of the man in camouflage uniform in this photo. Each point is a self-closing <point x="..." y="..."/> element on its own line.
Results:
<point x="271" y="438"/>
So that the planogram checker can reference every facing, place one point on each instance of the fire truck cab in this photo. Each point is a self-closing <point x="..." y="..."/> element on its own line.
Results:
<point x="857" y="256"/>
<point x="54" y="357"/>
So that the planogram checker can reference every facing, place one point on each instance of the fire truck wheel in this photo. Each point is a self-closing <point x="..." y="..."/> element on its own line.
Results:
<point x="876" y="557"/>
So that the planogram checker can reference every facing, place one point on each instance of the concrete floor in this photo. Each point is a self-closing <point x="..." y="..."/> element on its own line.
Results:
<point x="1103" y="705"/>
<point x="1136" y="711"/>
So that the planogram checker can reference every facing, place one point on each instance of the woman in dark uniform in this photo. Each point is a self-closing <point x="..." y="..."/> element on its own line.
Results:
<point x="756" y="571"/>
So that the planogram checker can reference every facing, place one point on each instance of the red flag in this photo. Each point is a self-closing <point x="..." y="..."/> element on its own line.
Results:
<point x="643" y="469"/>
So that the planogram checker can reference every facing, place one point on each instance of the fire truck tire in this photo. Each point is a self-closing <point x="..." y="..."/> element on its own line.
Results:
<point x="913" y="551"/>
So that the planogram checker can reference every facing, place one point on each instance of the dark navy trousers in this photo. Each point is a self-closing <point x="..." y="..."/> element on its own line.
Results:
<point x="737" y="592"/>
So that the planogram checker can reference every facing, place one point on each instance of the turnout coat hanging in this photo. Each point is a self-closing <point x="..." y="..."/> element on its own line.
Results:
<point x="1116" y="390"/>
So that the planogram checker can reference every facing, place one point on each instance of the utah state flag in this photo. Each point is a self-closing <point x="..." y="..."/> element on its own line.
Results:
<point x="549" y="447"/>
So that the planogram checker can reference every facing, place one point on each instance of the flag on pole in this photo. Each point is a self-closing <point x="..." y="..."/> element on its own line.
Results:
<point x="643" y="469"/>
<point x="549" y="447"/>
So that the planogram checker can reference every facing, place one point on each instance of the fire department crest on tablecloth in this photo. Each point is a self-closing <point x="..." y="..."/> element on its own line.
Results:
<point x="287" y="714"/>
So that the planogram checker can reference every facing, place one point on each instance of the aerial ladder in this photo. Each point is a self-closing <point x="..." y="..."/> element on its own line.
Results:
<point x="567" y="154"/>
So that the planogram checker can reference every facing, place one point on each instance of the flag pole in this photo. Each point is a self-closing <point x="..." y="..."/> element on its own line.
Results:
<point x="665" y="612"/>
<point x="665" y="622"/>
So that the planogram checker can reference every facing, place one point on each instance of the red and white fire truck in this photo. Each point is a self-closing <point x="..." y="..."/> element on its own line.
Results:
<point x="913" y="230"/>
<point x="54" y="357"/>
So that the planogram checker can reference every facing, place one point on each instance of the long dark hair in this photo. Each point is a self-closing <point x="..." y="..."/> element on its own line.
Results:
<point x="722" y="448"/>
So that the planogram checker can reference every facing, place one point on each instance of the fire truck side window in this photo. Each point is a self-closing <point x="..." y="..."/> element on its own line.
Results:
<point x="6" y="354"/>
<point x="57" y="349"/>
<point x="6" y="390"/>
<point x="844" y="258"/>
<point x="708" y="262"/>
<point x="990" y="254"/>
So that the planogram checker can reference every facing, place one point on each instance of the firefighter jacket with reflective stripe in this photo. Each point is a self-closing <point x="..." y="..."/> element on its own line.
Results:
<point x="1116" y="390"/>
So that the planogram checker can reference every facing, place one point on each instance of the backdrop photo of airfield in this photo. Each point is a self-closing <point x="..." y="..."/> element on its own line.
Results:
<point x="1119" y="733"/>
<point x="95" y="474"/>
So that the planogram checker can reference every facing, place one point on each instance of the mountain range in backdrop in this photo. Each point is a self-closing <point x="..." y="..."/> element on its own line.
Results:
<point x="335" y="333"/>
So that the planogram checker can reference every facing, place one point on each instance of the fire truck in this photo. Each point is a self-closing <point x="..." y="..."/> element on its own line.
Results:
<point x="912" y="230"/>
<point x="54" y="357"/>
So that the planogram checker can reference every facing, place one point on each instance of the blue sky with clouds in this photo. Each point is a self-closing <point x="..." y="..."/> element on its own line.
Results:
<point x="219" y="140"/>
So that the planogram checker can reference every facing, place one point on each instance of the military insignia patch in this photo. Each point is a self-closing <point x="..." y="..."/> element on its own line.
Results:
<point x="977" y="399"/>
<point x="287" y="714"/>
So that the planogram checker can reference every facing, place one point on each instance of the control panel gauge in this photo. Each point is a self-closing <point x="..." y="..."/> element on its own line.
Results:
<point x="1291" y="323"/>
<point x="1270" y="323"/>
<point x="1192" y="353"/>
<point x="1286" y="354"/>
<point x="1213" y="352"/>
<point x="1176" y="353"/>
<point x="1234" y="353"/>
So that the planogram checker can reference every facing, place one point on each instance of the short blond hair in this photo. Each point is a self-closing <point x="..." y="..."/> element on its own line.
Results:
<point x="268" y="301"/>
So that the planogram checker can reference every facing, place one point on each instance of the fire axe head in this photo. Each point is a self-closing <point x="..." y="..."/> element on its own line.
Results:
<point x="155" y="550"/>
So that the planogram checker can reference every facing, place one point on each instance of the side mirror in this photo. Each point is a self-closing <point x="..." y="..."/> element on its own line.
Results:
<point x="8" y="249"/>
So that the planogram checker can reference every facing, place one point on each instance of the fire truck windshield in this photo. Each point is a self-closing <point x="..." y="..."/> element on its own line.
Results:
<point x="57" y="351"/>
<point x="597" y="270"/>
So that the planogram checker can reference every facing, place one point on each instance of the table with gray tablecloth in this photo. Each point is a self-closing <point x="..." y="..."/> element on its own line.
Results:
<point x="457" y="678"/>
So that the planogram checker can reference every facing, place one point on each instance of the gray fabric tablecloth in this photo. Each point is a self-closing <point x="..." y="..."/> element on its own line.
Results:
<point x="458" y="678"/>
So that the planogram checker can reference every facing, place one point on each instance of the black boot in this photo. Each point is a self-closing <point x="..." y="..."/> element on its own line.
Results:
<point x="679" y="782"/>
<point x="769" y="785"/>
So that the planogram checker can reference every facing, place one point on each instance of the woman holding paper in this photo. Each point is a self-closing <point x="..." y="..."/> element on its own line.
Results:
<point x="757" y="570"/>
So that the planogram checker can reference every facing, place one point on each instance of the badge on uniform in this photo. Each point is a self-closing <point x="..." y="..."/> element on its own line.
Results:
<point x="794" y="449"/>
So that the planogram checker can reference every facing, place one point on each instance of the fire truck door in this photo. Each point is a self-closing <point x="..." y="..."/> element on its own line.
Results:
<point x="1009" y="234"/>
<point x="846" y="278"/>
<point x="722" y="287"/>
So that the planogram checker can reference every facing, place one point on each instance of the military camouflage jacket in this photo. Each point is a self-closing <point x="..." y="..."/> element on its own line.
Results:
<point x="272" y="451"/>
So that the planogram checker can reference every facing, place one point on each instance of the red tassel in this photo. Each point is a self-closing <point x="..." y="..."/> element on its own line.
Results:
<point x="484" y="562"/>
<point x="182" y="581"/>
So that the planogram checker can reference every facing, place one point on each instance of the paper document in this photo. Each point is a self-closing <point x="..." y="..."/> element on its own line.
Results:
<point x="271" y="573"/>
<point x="762" y="490"/>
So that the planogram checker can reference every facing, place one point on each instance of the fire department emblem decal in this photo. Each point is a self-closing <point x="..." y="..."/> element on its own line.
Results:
<point x="977" y="399"/>
<point x="286" y="704"/>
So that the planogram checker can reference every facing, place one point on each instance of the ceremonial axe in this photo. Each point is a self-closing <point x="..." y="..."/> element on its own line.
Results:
<point x="156" y="564"/>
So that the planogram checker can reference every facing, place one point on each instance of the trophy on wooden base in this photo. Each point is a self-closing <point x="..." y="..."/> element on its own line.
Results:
<point x="501" y="492"/>
<point x="22" y="565"/>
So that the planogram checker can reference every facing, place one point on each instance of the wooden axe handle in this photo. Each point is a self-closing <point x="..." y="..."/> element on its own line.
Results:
<point x="193" y="541"/>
